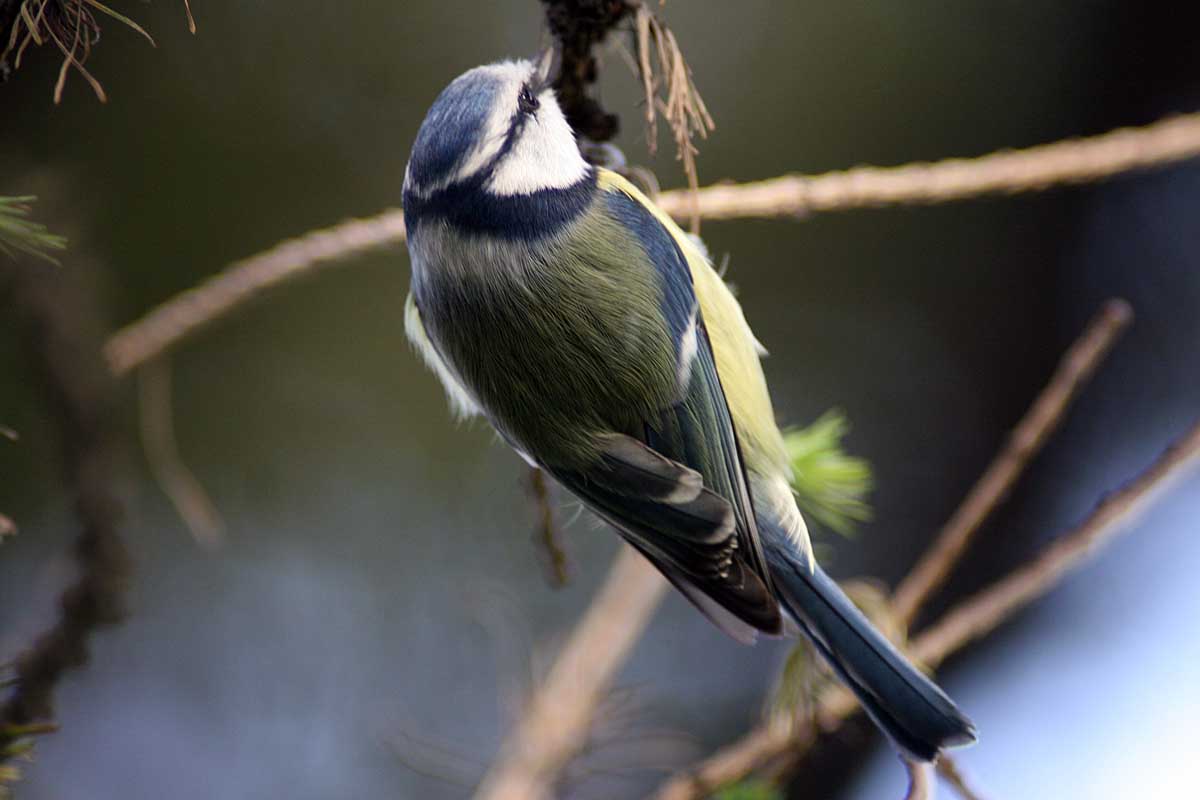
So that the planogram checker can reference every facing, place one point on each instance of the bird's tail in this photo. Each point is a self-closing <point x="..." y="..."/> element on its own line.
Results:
<point x="909" y="707"/>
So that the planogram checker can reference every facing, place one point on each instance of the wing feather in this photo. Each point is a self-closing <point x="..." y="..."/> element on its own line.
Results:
<point x="736" y="353"/>
<point x="643" y="483"/>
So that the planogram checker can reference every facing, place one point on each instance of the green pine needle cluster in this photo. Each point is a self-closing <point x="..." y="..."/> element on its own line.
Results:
<point x="798" y="686"/>
<point x="20" y="234"/>
<point x="831" y="486"/>
<point x="749" y="790"/>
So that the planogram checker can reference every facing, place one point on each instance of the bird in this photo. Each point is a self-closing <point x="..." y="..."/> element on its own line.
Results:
<point x="554" y="299"/>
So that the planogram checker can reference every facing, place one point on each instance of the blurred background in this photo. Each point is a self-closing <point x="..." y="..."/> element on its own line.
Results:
<point x="378" y="591"/>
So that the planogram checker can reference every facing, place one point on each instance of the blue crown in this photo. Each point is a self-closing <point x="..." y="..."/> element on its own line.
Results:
<point x="452" y="127"/>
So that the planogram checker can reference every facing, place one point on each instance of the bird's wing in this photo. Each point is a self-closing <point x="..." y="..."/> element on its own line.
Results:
<point x="736" y="353"/>
<point x="677" y="489"/>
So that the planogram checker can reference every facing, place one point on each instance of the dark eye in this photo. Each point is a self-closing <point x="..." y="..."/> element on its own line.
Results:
<point x="526" y="101"/>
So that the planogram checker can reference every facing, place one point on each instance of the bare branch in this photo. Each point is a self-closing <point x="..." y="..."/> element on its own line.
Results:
<point x="948" y="768"/>
<point x="1077" y="365"/>
<point x="1036" y="168"/>
<point x="962" y="625"/>
<point x="1113" y="514"/>
<point x="186" y="493"/>
<point x="556" y="724"/>
<point x="546" y="533"/>
<point x="56" y="313"/>
<point x="921" y="785"/>
<point x="1004" y="172"/>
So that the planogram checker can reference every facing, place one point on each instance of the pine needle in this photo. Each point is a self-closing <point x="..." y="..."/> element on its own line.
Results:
<point x="19" y="234"/>
<point x="72" y="27"/>
<point x="830" y="485"/>
<point x="670" y="91"/>
<point x="749" y="790"/>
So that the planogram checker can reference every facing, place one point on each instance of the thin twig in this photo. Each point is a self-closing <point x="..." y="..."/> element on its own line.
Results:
<point x="7" y="526"/>
<point x="682" y="108"/>
<point x="1036" y="168"/>
<point x="1026" y="440"/>
<point x="1004" y="172"/>
<point x="562" y="707"/>
<point x="191" y="21"/>
<point x="546" y="533"/>
<point x="921" y="785"/>
<point x="948" y="768"/>
<point x="186" y="493"/>
<point x="968" y="621"/>
<point x="61" y="21"/>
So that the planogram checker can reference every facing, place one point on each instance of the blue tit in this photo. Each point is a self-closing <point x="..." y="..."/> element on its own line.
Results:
<point x="553" y="298"/>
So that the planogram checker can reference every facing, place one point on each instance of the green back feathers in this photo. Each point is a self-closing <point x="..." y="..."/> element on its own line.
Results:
<point x="735" y="349"/>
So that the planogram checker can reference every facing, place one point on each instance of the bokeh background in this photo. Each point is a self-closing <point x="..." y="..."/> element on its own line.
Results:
<point x="378" y="592"/>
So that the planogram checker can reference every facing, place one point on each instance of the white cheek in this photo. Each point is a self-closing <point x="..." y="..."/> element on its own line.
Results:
<point x="545" y="156"/>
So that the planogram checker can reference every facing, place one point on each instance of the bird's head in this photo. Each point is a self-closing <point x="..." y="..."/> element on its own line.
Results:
<point x="497" y="129"/>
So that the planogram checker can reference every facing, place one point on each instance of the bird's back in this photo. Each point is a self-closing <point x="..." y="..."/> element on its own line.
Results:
<point x="737" y="354"/>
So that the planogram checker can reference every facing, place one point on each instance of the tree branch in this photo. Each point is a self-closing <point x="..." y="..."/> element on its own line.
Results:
<point x="948" y="768"/>
<point x="157" y="427"/>
<point x="1005" y="172"/>
<point x="560" y="711"/>
<point x="921" y="785"/>
<point x="1077" y="365"/>
<point x="967" y="622"/>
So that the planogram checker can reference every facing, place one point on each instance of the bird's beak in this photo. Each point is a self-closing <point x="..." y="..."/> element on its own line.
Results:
<point x="545" y="66"/>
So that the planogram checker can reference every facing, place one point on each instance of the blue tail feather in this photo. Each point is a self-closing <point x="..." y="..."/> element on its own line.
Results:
<point x="908" y="706"/>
